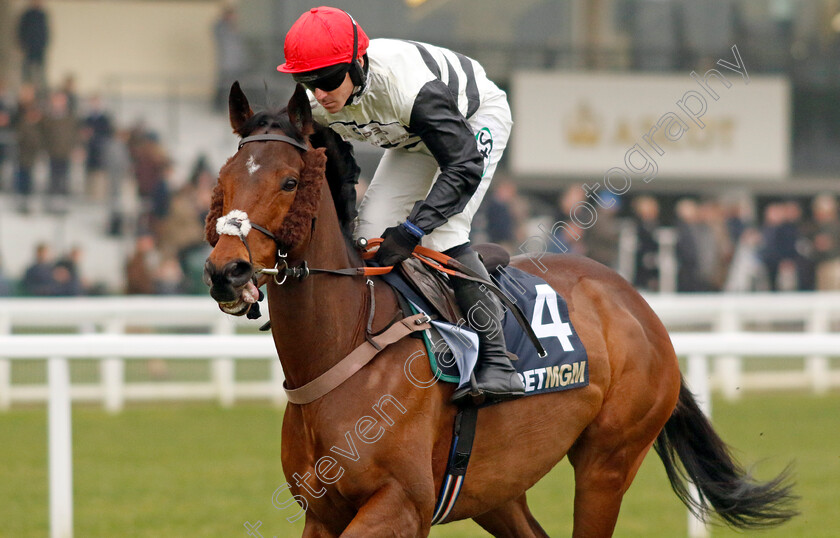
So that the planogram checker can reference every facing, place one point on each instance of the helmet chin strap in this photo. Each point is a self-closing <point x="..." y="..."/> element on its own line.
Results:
<point x="358" y="91"/>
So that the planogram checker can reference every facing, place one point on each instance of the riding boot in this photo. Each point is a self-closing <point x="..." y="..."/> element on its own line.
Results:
<point x="495" y="378"/>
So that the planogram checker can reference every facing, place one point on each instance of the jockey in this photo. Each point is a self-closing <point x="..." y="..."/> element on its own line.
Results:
<point x="443" y="125"/>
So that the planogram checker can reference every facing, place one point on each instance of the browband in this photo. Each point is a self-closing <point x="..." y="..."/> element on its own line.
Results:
<point x="276" y="137"/>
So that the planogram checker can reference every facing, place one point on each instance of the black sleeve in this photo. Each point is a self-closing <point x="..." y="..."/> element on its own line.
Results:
<point x="342" y="172"/>
<point x="436" y="119"/>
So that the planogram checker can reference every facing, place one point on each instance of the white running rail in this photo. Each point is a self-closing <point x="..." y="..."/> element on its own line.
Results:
<point x="98" y="331"/>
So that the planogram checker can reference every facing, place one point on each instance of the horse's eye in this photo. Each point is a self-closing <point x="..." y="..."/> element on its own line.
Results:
<point x="290" y="184"/>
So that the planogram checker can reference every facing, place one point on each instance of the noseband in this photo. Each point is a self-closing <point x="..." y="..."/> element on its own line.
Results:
<point x="237" y="223"/>
<point x="280" y="254"/>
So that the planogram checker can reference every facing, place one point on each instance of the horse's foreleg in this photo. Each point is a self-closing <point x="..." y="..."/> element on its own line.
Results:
<point x="391" y="512"/>
<point x="315" y="529"/>
<point x="512" y="520"/>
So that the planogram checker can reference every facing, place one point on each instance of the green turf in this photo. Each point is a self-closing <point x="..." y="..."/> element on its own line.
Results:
<point x="83" y="371"/>
<point x="176" y="470"/>
<point x="196" y="470"/>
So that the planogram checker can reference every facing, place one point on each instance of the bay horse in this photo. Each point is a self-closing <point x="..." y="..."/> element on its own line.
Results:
<point x="367" y="459"/>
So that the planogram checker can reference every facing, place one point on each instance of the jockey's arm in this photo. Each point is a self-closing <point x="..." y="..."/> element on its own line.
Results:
<point x="436" y="119"/>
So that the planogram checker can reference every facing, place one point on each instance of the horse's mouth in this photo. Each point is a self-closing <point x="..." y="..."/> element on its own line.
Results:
<point x="248" y="295"/>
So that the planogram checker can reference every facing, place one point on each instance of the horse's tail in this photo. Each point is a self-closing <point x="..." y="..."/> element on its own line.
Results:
<point x="724" y="486"/>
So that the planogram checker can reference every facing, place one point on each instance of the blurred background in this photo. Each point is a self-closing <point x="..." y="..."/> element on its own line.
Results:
<point x="690" y="145"/>
<point x="113" y="127"/>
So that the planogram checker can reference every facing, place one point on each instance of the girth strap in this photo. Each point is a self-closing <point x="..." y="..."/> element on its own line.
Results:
<point x="354" y="362"/>
<point x="463" y="434"/>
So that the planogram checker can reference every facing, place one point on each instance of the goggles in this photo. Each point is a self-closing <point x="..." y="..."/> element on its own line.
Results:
<point x="326" y="79"/>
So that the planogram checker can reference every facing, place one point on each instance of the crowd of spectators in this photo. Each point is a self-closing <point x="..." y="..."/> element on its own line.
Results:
<point x="119" y="163"/>
<point x="51" y="277"/>
<point x="714" y="245"/>
<point x="741" y="246"/>
<point x="748" y="245"/>
<point x="54" y="132"/>
<point x="48" y="133"/>
<point x="730" y="247"/>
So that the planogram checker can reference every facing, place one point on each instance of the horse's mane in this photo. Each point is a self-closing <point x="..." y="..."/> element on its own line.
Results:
<point x="325" y="159"/>
<point x="342" y="175"/>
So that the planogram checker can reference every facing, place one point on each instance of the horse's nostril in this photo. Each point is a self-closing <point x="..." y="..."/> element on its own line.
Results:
<point x="238" y="272"/>
<point x="209" y="271"/>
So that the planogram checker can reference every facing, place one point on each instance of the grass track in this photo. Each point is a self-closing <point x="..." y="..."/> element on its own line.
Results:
<point x="173" y="470"/>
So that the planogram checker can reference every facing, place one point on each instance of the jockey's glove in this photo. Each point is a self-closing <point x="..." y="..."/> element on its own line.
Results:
<point x="399" y="242"/>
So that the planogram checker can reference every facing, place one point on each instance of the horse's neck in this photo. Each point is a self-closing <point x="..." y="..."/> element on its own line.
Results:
<point x="317" y="321"/>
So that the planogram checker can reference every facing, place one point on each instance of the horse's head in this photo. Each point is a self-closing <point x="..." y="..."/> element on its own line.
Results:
<point x="265" y="200"/>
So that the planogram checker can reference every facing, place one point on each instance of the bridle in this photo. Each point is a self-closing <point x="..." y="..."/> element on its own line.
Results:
<point x="275" y="137"/>
<point x="434" y="259"/>
<point x="281" y="270"/>
<point x="237" y="223"/>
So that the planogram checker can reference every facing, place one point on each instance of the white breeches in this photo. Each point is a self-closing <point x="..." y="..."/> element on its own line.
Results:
<point x="405" y="177"/>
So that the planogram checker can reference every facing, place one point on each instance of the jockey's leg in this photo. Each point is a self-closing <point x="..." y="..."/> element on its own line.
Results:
<point x="404" y="177"/>
<point x="495" y="377"/>
<point x="401" y="179"/>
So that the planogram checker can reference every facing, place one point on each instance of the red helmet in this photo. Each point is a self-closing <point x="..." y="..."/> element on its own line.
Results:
<point x="322" y="37"/>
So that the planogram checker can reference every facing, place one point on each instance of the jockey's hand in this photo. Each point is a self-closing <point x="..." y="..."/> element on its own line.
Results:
<point x="397" y="245"/>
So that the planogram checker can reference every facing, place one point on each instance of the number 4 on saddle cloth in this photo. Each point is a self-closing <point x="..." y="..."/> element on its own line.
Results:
<point x="453" y="347"/>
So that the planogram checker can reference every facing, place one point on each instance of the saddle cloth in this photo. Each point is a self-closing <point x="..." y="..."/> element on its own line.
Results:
<point x="453" y="347"/>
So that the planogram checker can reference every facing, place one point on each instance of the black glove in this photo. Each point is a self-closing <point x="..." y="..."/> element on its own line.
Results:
<point x="397" y="246"/>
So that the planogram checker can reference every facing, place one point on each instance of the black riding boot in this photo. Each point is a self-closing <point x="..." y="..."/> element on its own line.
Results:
<point x="495" y="378"/>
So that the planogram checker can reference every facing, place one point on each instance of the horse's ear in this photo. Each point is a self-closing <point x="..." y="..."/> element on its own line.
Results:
<point x="240" y="110"/>
<point x="300" y="111"/>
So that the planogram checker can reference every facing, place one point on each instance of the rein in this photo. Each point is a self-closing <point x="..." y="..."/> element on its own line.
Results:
<point x="239" y="225"/>
<point x="434" y="259"/>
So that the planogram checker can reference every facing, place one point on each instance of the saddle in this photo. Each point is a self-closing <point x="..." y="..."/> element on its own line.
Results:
<point x="534" y="311"/>
<point x="435" y="287"/>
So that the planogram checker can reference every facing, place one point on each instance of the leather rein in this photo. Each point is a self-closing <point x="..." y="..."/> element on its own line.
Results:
<point x="434" y="259"/>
